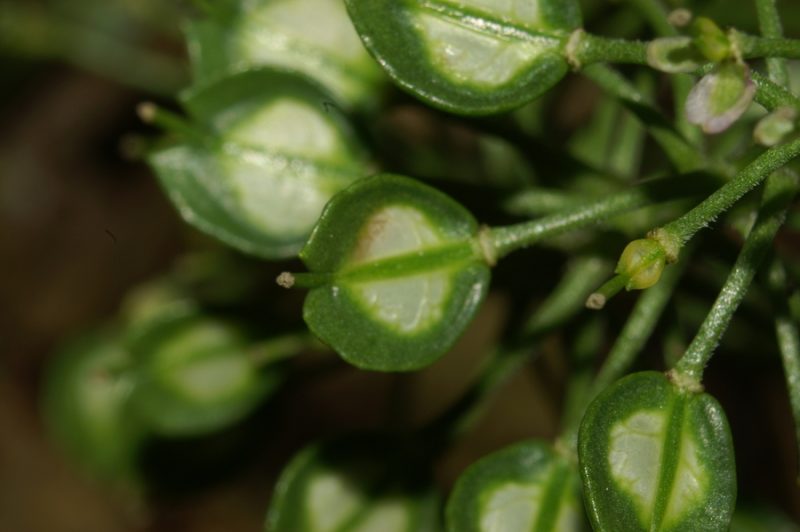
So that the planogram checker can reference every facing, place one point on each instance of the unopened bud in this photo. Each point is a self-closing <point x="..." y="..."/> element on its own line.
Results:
<point x="680" y="17"/>
<point x="710" y="40"/>
<point x="641" y="262"/>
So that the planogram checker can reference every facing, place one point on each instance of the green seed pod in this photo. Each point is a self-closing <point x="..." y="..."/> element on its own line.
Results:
<point x="354" y="485"/>
<point x="469" y="56"/>
<point x="642" y="262"/>
<point x="527" y="486"/>
<point x="656" y="457"/>
<point x="195" y="374"/>
<point x="396" y="274"/>
<point x="265" y="153"/>
<point x="86" y="393"/>
<point x="313" y="37"/>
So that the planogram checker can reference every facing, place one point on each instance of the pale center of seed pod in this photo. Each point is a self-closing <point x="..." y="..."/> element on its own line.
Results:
<point x="511" y="506"/>
<point x="332" y="499"/>
<point x="469" y="56"/>
<point x="635" y="452"/>
<point x="520" y="12"/>
<point x="390" y="514"/>
<point x="407" y="303"/>
<point x="282" y="198"/>
<point x="691" y="483"/>
<point x="289" y="126"/>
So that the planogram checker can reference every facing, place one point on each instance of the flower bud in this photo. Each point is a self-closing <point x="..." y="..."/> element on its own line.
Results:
<point x="710" y="40"/>
<point x="642" y="262"/>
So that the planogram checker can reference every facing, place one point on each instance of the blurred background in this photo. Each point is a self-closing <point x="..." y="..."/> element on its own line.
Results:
<point x="83" y="222"/>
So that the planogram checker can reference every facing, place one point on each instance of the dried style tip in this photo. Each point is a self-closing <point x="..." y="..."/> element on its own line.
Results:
<point x="147" y="112"/>
<point x="720" y="97"/>
<point x="596" y="301"/>
<point x="680" y="18"/>
<point x="285" y="279"/>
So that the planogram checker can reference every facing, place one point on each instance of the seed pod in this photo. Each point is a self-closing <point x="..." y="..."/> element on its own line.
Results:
<point x="656" y="457"/>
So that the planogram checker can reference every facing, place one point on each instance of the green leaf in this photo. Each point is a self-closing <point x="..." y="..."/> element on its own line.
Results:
<point x="525" y="487"/>
<point x="354" y="485"/>
<point x="469" y="56"/>
<point x="314" y="37"/>
<point x="195" y="374"/>
<point x="656" y="458"/>
<point x="268" y="154"/>
<point x="85" y="402"/>
<point x="400" y="273"/>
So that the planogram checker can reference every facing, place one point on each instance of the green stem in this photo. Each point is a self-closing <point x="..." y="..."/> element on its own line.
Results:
<point x="588" y="49"/>
<point x="769" y="22"/>
<point x="778" y="195"/>
<point x="509" y="238"/>
<point x="753" y="47"/>
<point x="788" y="336"/>
<point x="681" y="230"/>
<point x="771" y="95"/>
<point x="681" y="154"/>
<point x="276" y="349"/>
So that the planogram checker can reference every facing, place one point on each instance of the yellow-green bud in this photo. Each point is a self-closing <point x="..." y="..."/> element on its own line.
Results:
<point x="711" y="40"/>
<point x="642" y="262"/>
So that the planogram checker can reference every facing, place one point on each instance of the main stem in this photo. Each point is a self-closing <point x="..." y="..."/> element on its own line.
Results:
<point x="778" y="195"/>
<point x="684" y="228"/>
<point x="509" y="238"/>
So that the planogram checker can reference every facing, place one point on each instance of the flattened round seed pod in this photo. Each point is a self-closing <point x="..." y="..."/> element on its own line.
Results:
<point x="314" y="37"/>
<point x="402" y="276"/>
<point x="269" y="154"/>
<point x="525" y="487"/>
<point x="354" y="485"/>
<point x="654" y="457"/>
<point x="86" y="392"/>
<point x="469" y="56"/>
<point x="195" y="374"/>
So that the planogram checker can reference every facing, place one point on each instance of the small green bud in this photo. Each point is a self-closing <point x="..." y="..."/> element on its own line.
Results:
<point x="774" y="127"/>
<point x="680" y="18"/>
<point x="710" y="40"/>
<point x="674" y="55"/>
<point x="642" y="262"/>
<point x="720" y="97"/>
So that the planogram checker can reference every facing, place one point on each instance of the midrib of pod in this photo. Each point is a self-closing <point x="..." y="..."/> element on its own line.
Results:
<point x="670" y="456"/>
<point x="408" y="264"/>
<point x="485" y="23"/>
<point x="556" y="491"/>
